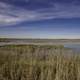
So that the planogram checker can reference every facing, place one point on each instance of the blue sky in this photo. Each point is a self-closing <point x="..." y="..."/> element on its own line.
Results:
<point x="40" y="19"/>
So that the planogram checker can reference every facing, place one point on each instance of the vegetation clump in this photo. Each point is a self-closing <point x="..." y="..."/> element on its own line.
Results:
<point x="38" y="62"/>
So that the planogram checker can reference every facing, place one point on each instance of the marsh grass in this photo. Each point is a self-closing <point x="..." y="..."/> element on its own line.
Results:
<point x="36" y="62"/>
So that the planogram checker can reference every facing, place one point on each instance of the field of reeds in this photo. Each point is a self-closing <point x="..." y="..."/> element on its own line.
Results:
<point x="38" y="62"/>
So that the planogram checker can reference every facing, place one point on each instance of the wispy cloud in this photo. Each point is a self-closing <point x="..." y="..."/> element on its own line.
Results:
<point x="10" y="14"/>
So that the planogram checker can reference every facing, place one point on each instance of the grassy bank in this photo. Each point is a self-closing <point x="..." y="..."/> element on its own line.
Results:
<point x="35" y="62"/>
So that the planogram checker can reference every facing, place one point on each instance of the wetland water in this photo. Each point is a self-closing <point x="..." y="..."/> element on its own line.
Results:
<point x="74" y="47"/>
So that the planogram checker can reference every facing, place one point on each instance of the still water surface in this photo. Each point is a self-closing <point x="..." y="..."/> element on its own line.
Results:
<point x="74" y="47"/>
<point x="77" y="46"/>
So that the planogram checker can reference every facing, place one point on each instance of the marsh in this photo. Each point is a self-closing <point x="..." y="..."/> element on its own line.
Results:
<point x="38" y="62"/>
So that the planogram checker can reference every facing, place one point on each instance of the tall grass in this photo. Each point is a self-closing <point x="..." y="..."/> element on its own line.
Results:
<point x="35" y="62"/>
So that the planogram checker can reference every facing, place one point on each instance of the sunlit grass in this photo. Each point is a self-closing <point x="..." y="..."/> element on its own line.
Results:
<point x="36" y="62"/>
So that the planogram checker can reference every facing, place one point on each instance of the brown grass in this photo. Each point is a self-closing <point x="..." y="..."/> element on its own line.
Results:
<point x="35" y="62"/>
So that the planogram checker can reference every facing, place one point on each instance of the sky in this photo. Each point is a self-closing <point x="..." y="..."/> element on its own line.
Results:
<point x="52" y="19"/>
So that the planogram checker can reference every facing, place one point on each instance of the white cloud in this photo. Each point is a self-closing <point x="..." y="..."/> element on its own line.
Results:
<point x="10" y="14"/>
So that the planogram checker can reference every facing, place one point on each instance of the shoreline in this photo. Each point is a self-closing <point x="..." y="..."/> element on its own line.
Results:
<point x="38" y="43"/>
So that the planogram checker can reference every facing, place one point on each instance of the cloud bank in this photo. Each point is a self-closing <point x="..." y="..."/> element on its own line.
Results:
<point x="15" y="12"/>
